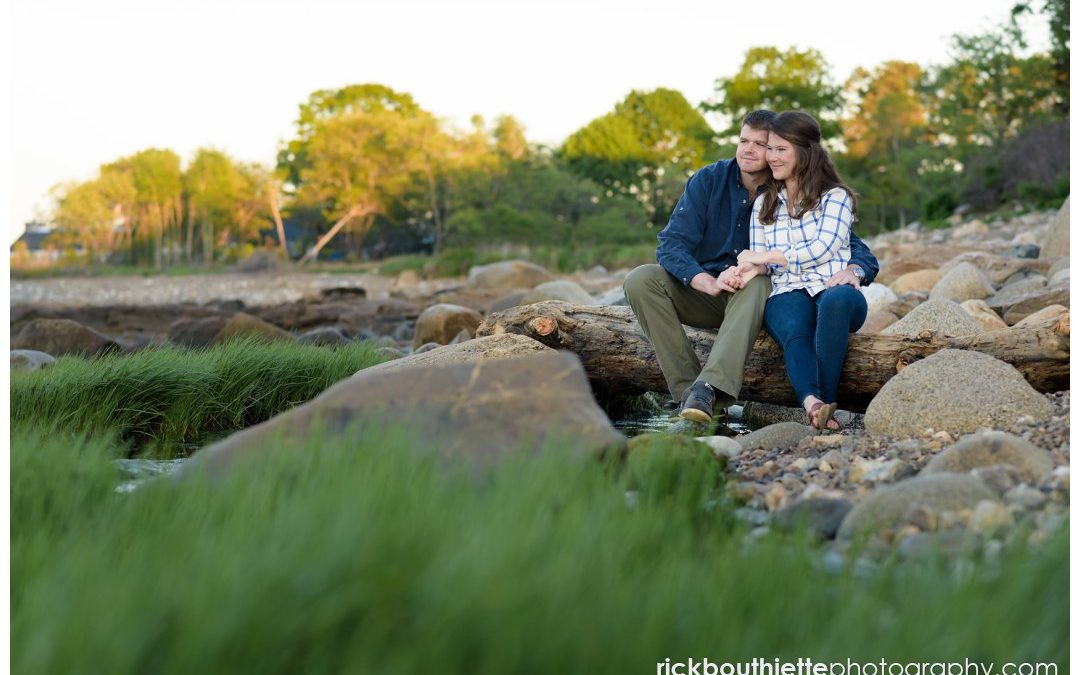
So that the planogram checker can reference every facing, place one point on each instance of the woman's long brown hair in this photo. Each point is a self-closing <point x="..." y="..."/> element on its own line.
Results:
<point x="815" y="173"/>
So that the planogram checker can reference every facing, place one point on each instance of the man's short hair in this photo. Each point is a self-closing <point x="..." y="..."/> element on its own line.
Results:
<point x="759" y="119"/>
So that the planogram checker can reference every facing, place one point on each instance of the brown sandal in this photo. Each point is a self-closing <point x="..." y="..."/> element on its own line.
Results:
<point x="820" y="414"/>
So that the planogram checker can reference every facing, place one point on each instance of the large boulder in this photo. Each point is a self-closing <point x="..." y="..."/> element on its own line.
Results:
<point x="441" y="323"/>
<point x="992" y="448"/>
<point x="919" y="280"/>
<point x="981" y="312"/>
<point x="560" y="289"/>
<point x="27" y="360"/>
<point x="508" y="275"/>
<point x="941" y="316"/>
<point x="887" y="508"/>
<point x="63" y="336"/>
<point x="479" y="411"/>
<point x="1057" y="235"/>
<point x="1017" y="288"/>
<point x="957" y="391"/>
<point x="963" y="282"/>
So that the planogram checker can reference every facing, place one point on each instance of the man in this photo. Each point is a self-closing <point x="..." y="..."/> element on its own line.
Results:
<point x="697" y="281"/>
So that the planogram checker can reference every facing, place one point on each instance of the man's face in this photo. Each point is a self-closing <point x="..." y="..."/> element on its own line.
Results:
<point x="750" y="154"/>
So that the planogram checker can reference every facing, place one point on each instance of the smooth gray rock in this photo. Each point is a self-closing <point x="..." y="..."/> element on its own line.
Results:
<point x="819" y="515"/>
<point x="887" y="507"/>
<point x="780" y="435"/>
<point x="507" y="275"/>
<point x="327" y="336"/>
<point x="59" y="337"/>
<point x="992" y="448"/>
<point x="477" y="411"/>
<point x="28" y="360"/>
<point x="963" y="282"/>
<point x="954" y="390"/>
<point x="560" y="289"/>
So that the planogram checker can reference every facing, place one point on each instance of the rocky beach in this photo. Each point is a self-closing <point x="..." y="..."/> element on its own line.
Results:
<point x="958" y="448"/>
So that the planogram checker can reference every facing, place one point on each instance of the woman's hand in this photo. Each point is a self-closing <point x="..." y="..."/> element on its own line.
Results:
<point x="748" y="271"/>
<point x="751" y="257"/>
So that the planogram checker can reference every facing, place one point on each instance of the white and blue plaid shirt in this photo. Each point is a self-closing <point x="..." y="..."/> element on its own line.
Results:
<point x="816" y="246"/>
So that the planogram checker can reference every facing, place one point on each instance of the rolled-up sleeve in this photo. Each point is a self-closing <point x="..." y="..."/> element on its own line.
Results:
<point x="684" y="231"/>
<point x="833" y="230"/>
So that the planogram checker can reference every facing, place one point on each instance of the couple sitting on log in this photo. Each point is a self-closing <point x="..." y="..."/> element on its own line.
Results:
<point x="764" y="236"/>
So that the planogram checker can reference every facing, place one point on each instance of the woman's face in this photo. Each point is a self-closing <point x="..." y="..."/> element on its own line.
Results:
<point x="782" y="157"/>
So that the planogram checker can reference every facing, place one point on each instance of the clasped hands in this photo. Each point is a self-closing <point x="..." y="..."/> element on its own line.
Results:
<point x="750" y="264"/>
<point x="731" y="279"/>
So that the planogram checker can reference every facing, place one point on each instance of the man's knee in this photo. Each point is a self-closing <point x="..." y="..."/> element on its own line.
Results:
<point x="641" y="279"/>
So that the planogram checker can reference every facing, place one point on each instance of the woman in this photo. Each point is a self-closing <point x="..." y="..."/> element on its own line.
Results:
<point x="800" y="234"/>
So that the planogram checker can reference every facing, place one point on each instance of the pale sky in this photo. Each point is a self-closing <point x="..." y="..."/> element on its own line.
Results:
<point x="93" y="81"/>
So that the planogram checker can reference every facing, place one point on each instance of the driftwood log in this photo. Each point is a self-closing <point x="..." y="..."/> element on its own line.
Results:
<point x="618" y="358"/>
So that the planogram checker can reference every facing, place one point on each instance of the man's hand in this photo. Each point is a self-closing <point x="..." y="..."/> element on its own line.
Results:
<point x="843" y="277"/>
<point x="729" y="280"/>
<point x="706" y="283"/>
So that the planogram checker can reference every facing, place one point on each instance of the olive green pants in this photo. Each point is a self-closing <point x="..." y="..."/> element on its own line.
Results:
<point x="662" y="304"/>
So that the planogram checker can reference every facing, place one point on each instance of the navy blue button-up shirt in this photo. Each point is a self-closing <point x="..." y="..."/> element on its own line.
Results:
<point x="710" y="226"/>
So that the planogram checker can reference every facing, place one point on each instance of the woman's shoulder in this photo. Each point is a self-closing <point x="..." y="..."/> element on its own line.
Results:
<point x="836" y="194"/>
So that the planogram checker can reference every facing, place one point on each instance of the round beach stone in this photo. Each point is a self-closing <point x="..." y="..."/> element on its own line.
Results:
<point x="963" y="282"/>
<point x="954" y="390"/>
<point x="941" y="316"/>
<point x="27" y="360"/>
<point x="981" y="312"/>
<point x="560" y="289"/>
<point x="325" y="336"/>
<point x="878" y="296"/>
<point x="997" y="268"/>
<point x="62" y="336"/>
<point x="507" y="275"/>
<point x="441" y="323"/>
<point x="921" y="280"/>
<point x="887" y="508"/>
<point x="991" y="449"/>
<point x="779" y="435"/>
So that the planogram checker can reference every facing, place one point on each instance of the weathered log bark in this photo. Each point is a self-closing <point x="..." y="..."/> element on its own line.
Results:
<point x="618" y="358"/>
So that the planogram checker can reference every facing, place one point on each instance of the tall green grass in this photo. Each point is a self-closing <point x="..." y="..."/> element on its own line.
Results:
<point x="360" y="553"/>
<point x="166" y="399"/>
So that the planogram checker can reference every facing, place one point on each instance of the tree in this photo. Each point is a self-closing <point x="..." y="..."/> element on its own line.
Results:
<point x="358" y="163"/>
<point x="84" y="216"/>
<point x="983" y="98"/>
<point x="644" y="149"/>
<point x="887" y="119"/>
<point x="213" y="186"/>
<point x="769" y="78"/>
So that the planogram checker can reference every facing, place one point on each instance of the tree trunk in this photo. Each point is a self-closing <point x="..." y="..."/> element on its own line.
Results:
<point x="278" y="221"/>
<point x="354" y="212"/>
<point x="618" y="358"/>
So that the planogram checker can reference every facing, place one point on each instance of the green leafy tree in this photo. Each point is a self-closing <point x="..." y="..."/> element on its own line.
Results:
<point x="644" y="149"/>
<point x="985" y="97"/>
<point x="887" y="119"/>
<point x="796" y="79"/>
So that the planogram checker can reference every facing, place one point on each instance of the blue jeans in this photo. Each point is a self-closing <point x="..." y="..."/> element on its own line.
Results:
<point x="813" y="332"/>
